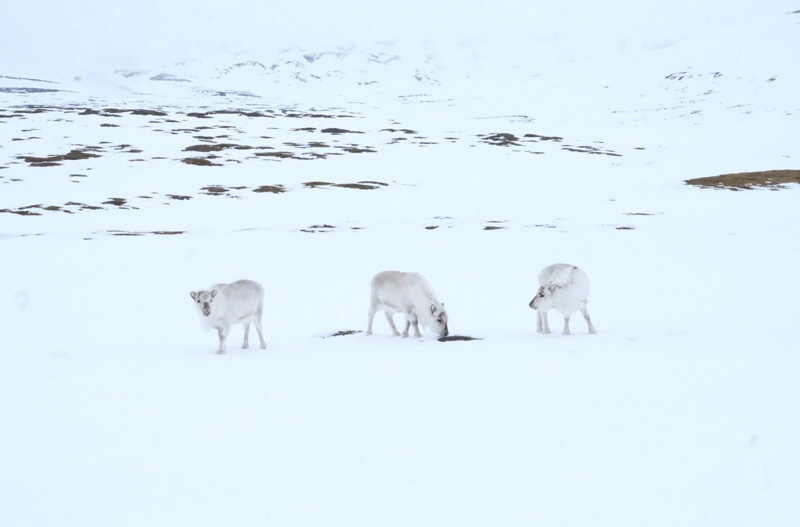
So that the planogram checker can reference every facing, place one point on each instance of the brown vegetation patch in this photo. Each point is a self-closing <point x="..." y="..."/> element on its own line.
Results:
<point x="537" y="137"/>
<point x="125" y="233"/>
<point x="20" y="212"/>
<point x="83" y="206"/>
<point x="152" y="113"/>
<point x="117" y="202"/>
<point x="312" y="144"/>
<point x="357" y="150"/>
<point x="200" y="161"/>
<point x="361" y="185"/>
<point x="36" y="210"/>
<point x="272" y="189"/>
<point x="239" y="112"/>
<point x="403" y="130"/>
<point x="772" y="179"/>
<point x="500" y="139"/>
<point x="318" y="228"/>
<point x="590" y="150"/>
<point x="494" y="225"/>
<point x="280" y="154"/>
<point x="339" y="131"/>
<point x="457" y="338"/>
<point x="176" y="197"/>
<point x="210" y="148"/>
<point x="72" y="155"/>
<point x="343" y="333"/>
<point x="213" y="189"/>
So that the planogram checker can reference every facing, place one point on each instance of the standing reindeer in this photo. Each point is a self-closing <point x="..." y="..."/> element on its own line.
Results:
<point x="227" y="304"/>
<point x="562" y="287"/>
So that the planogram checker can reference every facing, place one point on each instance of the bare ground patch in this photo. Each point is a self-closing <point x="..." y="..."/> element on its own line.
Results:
<point x="343" y="333"/>
<point x="76" y="154"/>
<point x="771" y="179"/>
<point x="361" y="185"/>
<point x="457" y="338"/>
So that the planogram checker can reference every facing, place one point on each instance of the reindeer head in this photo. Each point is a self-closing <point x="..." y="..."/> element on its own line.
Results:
<point x="439" y="320"/>
<point x="203" y="300"/>
<point x="544" y="293"/>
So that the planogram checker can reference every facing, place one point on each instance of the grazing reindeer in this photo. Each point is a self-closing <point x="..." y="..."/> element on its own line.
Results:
<point x="410" y="293"/>
<point x="565" y="288"/>
<point x="227" y="304"/>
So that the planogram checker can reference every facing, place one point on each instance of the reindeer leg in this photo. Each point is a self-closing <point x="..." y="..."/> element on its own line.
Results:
<point x="246" y="343"/>
<point x="391" y="324"/>
<point x="415" y="323"/>
<point x="257" y="323"/>
<point x="370" y="317"/>
<point x="588" y="320"/>
<point x="223" y="335"/>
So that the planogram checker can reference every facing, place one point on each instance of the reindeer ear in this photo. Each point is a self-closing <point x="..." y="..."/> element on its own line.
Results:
<point x="213" y="293"/>
<point x="551" y="289"/>
<point x="433" y="309"/>
<point x="194" y="295"/>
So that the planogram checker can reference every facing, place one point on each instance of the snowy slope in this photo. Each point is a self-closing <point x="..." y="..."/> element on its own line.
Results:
<point x="475" y="161"/>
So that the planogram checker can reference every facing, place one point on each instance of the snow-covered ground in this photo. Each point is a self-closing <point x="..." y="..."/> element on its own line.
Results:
<point x="472" y="161"/>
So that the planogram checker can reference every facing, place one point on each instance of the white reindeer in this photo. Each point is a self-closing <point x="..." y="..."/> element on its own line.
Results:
<point x="227" y="304"/>
<point x="410" y="293"/>
<point x="565" y="288"/>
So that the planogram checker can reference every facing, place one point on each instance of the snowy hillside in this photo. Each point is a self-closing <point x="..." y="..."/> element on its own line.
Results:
<point x="474" y="146"/>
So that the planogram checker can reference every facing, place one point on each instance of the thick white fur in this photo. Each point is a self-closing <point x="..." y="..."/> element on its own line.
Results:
<point x="564" y="288"/>
<point x="409" y="293"/>
<point x="227" y="304"/>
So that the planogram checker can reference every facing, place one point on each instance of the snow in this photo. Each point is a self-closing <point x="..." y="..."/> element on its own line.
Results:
<point x="681" y="410"/>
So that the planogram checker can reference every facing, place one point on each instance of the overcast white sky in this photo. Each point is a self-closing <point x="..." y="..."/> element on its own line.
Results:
<point x="102" y="32"/>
